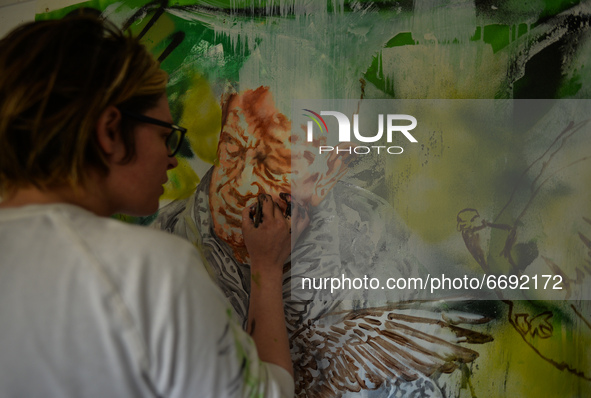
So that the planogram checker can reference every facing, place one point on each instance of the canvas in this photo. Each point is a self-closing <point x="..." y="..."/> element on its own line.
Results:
<point x="496" y="187"/>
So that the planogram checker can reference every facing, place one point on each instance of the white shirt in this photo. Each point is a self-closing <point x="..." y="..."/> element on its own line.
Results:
<point x="93" y="307"/>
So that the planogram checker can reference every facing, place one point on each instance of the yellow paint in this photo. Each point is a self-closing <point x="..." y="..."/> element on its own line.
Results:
<point x="182" y="182"/>
<point x="447" y="173"/>
<point x="202" y="116"/>
<point x="155" y="37"/>
<point x="445" y="70"/>
<point x="507" y="367"/>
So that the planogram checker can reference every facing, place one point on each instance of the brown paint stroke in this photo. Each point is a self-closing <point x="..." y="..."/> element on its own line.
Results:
<point x="368" y="347"/>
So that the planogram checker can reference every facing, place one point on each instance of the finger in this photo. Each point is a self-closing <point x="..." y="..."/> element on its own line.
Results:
<point x="288" y="205"/>
<point x="277" y="212"/>
<point x="274" y="208"/>
<point x="269" y="206"/>
<point x="257" y="211"/>
<point x="247" y="222"/>
<point x="286" y="197"/>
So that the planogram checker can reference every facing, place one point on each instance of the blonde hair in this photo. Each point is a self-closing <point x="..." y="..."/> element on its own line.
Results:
<point x="56" y="78"/>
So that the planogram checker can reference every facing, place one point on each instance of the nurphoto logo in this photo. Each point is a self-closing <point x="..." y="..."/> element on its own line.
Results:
<point x="393" y="125"/>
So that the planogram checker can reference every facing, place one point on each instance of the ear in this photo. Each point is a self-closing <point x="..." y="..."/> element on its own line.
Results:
<point x="108" y="131"/>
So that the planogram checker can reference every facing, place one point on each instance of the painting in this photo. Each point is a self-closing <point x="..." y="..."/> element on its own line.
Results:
<point x="480" y="170"/>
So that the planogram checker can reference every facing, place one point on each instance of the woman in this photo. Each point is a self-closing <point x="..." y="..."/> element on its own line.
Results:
<point x="89" y="306"/>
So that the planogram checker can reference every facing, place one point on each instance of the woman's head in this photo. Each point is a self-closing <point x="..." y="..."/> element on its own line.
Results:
<point x="56" y="79"/>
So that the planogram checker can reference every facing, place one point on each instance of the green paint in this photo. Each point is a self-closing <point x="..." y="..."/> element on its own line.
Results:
<point x="401" y="39"/>
<point x="497" y="36"/>
<point x="570" y="87"/>
<point x="555" y="7"/>
<point x="522" y="29"/>
<point x="477" y="34"/>
<point x="375" y="76"/>
<point x="135" y="219"/>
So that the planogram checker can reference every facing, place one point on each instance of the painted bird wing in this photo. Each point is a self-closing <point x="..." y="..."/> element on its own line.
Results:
<point x="365" y="349"/>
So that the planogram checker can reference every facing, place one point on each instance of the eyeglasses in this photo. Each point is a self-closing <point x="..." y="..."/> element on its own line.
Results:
<point x="174" y="139"/>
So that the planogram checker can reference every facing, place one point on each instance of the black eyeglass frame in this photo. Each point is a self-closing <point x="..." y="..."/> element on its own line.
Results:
<point x="146" y="119"/>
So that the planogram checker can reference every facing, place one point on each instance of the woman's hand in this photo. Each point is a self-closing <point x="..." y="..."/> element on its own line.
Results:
<point x="268" y="233"/>
<point x="268" y="236"/>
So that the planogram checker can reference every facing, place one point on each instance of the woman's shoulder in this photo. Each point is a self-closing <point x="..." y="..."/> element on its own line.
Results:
<point x="118" y="242"/>
<point x="119" y="232"/>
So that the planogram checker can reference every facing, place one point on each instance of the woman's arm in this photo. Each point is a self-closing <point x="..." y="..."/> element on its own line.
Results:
<point x="269" y="245"/>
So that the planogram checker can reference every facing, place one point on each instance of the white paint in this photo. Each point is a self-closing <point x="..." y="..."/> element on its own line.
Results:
<point x="52" y="5"/>
<point x="14" y="13"/>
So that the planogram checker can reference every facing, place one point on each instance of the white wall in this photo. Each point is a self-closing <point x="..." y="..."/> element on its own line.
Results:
<point x="15" y="12"/>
